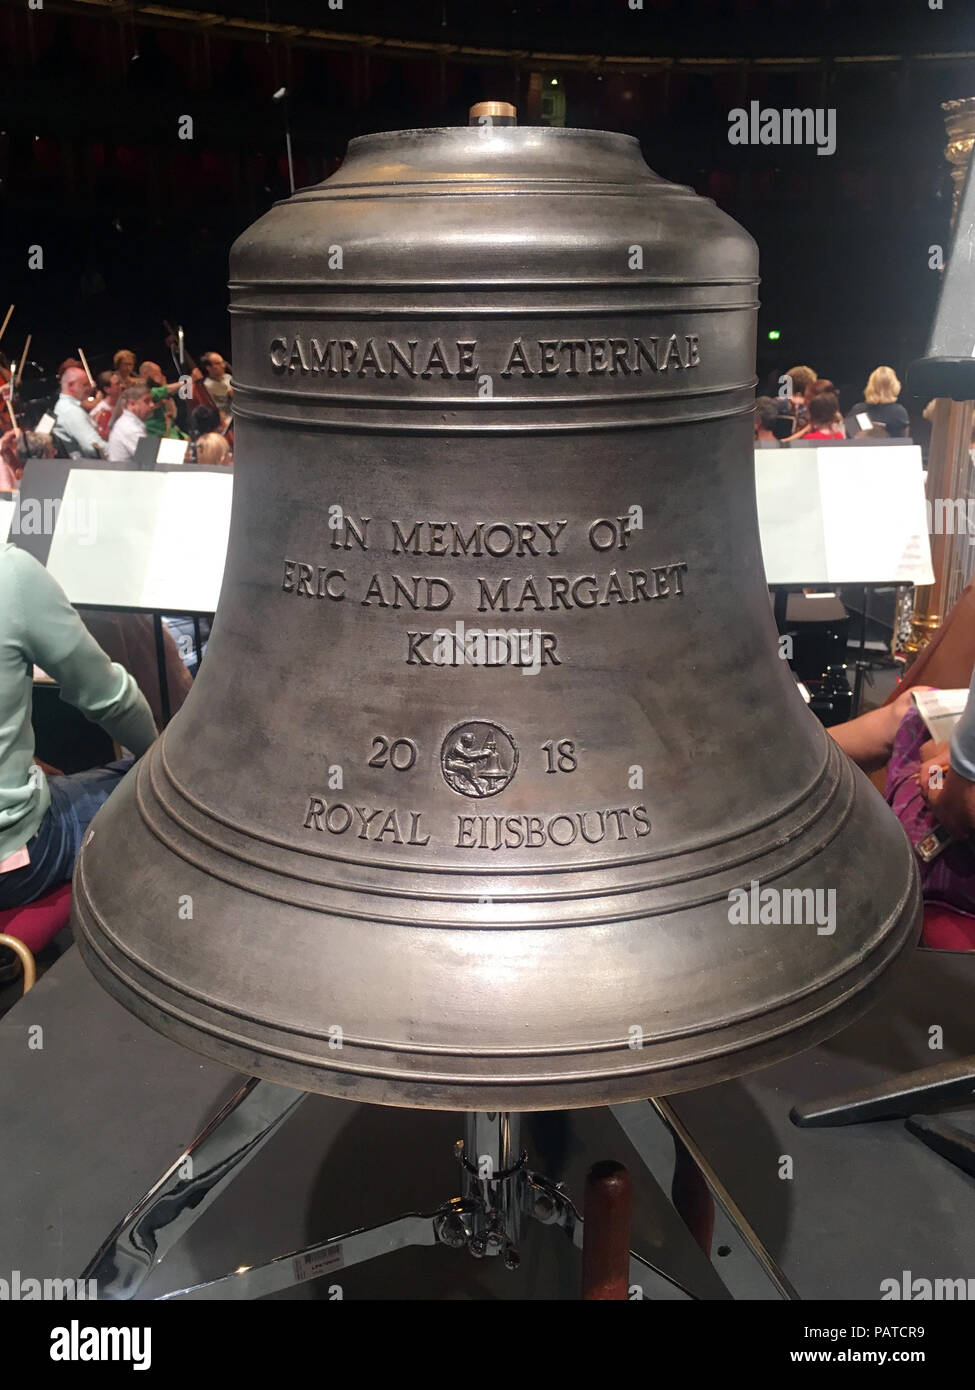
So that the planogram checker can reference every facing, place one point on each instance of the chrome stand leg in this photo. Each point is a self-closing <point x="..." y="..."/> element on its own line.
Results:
<point x="341" y="1252"/>
<point x="184" y="1192"/>
<point x="749" y="1271"/>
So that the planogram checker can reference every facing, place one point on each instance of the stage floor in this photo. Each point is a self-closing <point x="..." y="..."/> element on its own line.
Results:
<point x="94" y="1116"/>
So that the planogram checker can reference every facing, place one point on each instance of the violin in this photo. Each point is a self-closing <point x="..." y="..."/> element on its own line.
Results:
<point x="10" y="396"/>
<point x="200" y="395"/>
<point x="6" y="417"/>
<point x="13" y="381"/>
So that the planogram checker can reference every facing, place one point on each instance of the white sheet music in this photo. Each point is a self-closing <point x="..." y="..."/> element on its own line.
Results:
<point x="160" y="539"/>
<point x="941" y="710"/>
<point x="843" y="515"/>
<point x="172" y="451"/>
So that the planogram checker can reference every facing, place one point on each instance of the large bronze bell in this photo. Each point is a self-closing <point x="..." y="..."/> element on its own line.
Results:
<point x="493" y="792"/>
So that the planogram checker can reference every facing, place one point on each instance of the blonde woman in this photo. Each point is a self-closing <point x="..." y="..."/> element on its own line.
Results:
<point x="213" y="450"/>
<point x="124" y="364"/>
<point x="880" y="403"/>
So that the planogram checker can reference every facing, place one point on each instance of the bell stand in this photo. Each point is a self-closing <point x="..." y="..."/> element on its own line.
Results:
<point x="499" y="1193"/>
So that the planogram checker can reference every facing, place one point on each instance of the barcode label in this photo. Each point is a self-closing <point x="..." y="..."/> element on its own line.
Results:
<point x="313" y="1263"/>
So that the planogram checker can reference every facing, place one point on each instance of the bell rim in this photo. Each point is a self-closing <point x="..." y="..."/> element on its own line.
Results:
<point x="413" y="1090"/>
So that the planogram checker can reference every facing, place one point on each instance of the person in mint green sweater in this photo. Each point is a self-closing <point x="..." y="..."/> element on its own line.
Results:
<point x="43" y="820"/>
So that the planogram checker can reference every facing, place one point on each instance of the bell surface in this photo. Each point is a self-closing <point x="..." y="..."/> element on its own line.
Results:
<point x="493" y="792"/>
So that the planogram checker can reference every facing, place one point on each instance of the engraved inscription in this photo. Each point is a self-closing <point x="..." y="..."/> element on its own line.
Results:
<point x="585" y="591"/>
<point x="400" y="753"/>
<point x="561" y="756"/>
<point x="530" y="649"/>
<point x="346" y="357"/>
<point x="603" y="356"/>
<point x="413" y="359"/>
<point x="535" y="832"/>
<point x="495" y="566"/>
<point x="417" y="592"/>
<point x="478" y="759"/>
<point x="364" y="822"/>
<point x="497" y="539"/>
<point x="526" y="649"/>
<point x="612" y="825"/>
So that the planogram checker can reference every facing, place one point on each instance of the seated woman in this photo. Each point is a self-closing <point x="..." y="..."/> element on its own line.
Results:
<point x="869" y="739"/>
<point x="213" y="450"/>
<point x="43" y="820"/>
<point x="928" y="784"/>
<point x="933" y="784"/>
<point x="824" y="418"/>
<point x="881" y="405"/>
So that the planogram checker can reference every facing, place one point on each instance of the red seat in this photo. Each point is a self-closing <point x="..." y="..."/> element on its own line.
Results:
<point x="947" y="929"/>
<point x="39" y="922"/>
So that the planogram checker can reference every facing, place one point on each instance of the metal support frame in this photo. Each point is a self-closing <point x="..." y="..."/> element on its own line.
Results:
<point x="498" y="1193"/>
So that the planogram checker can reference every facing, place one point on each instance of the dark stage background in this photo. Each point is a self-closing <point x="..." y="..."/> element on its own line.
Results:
<point x="135" y="223"/>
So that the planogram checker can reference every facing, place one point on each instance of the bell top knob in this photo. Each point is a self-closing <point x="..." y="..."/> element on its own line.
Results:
<point x="493" y="113"/>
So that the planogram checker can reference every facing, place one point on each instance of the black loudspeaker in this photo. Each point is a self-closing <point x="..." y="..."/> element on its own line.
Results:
<point x="948" y="367"/>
